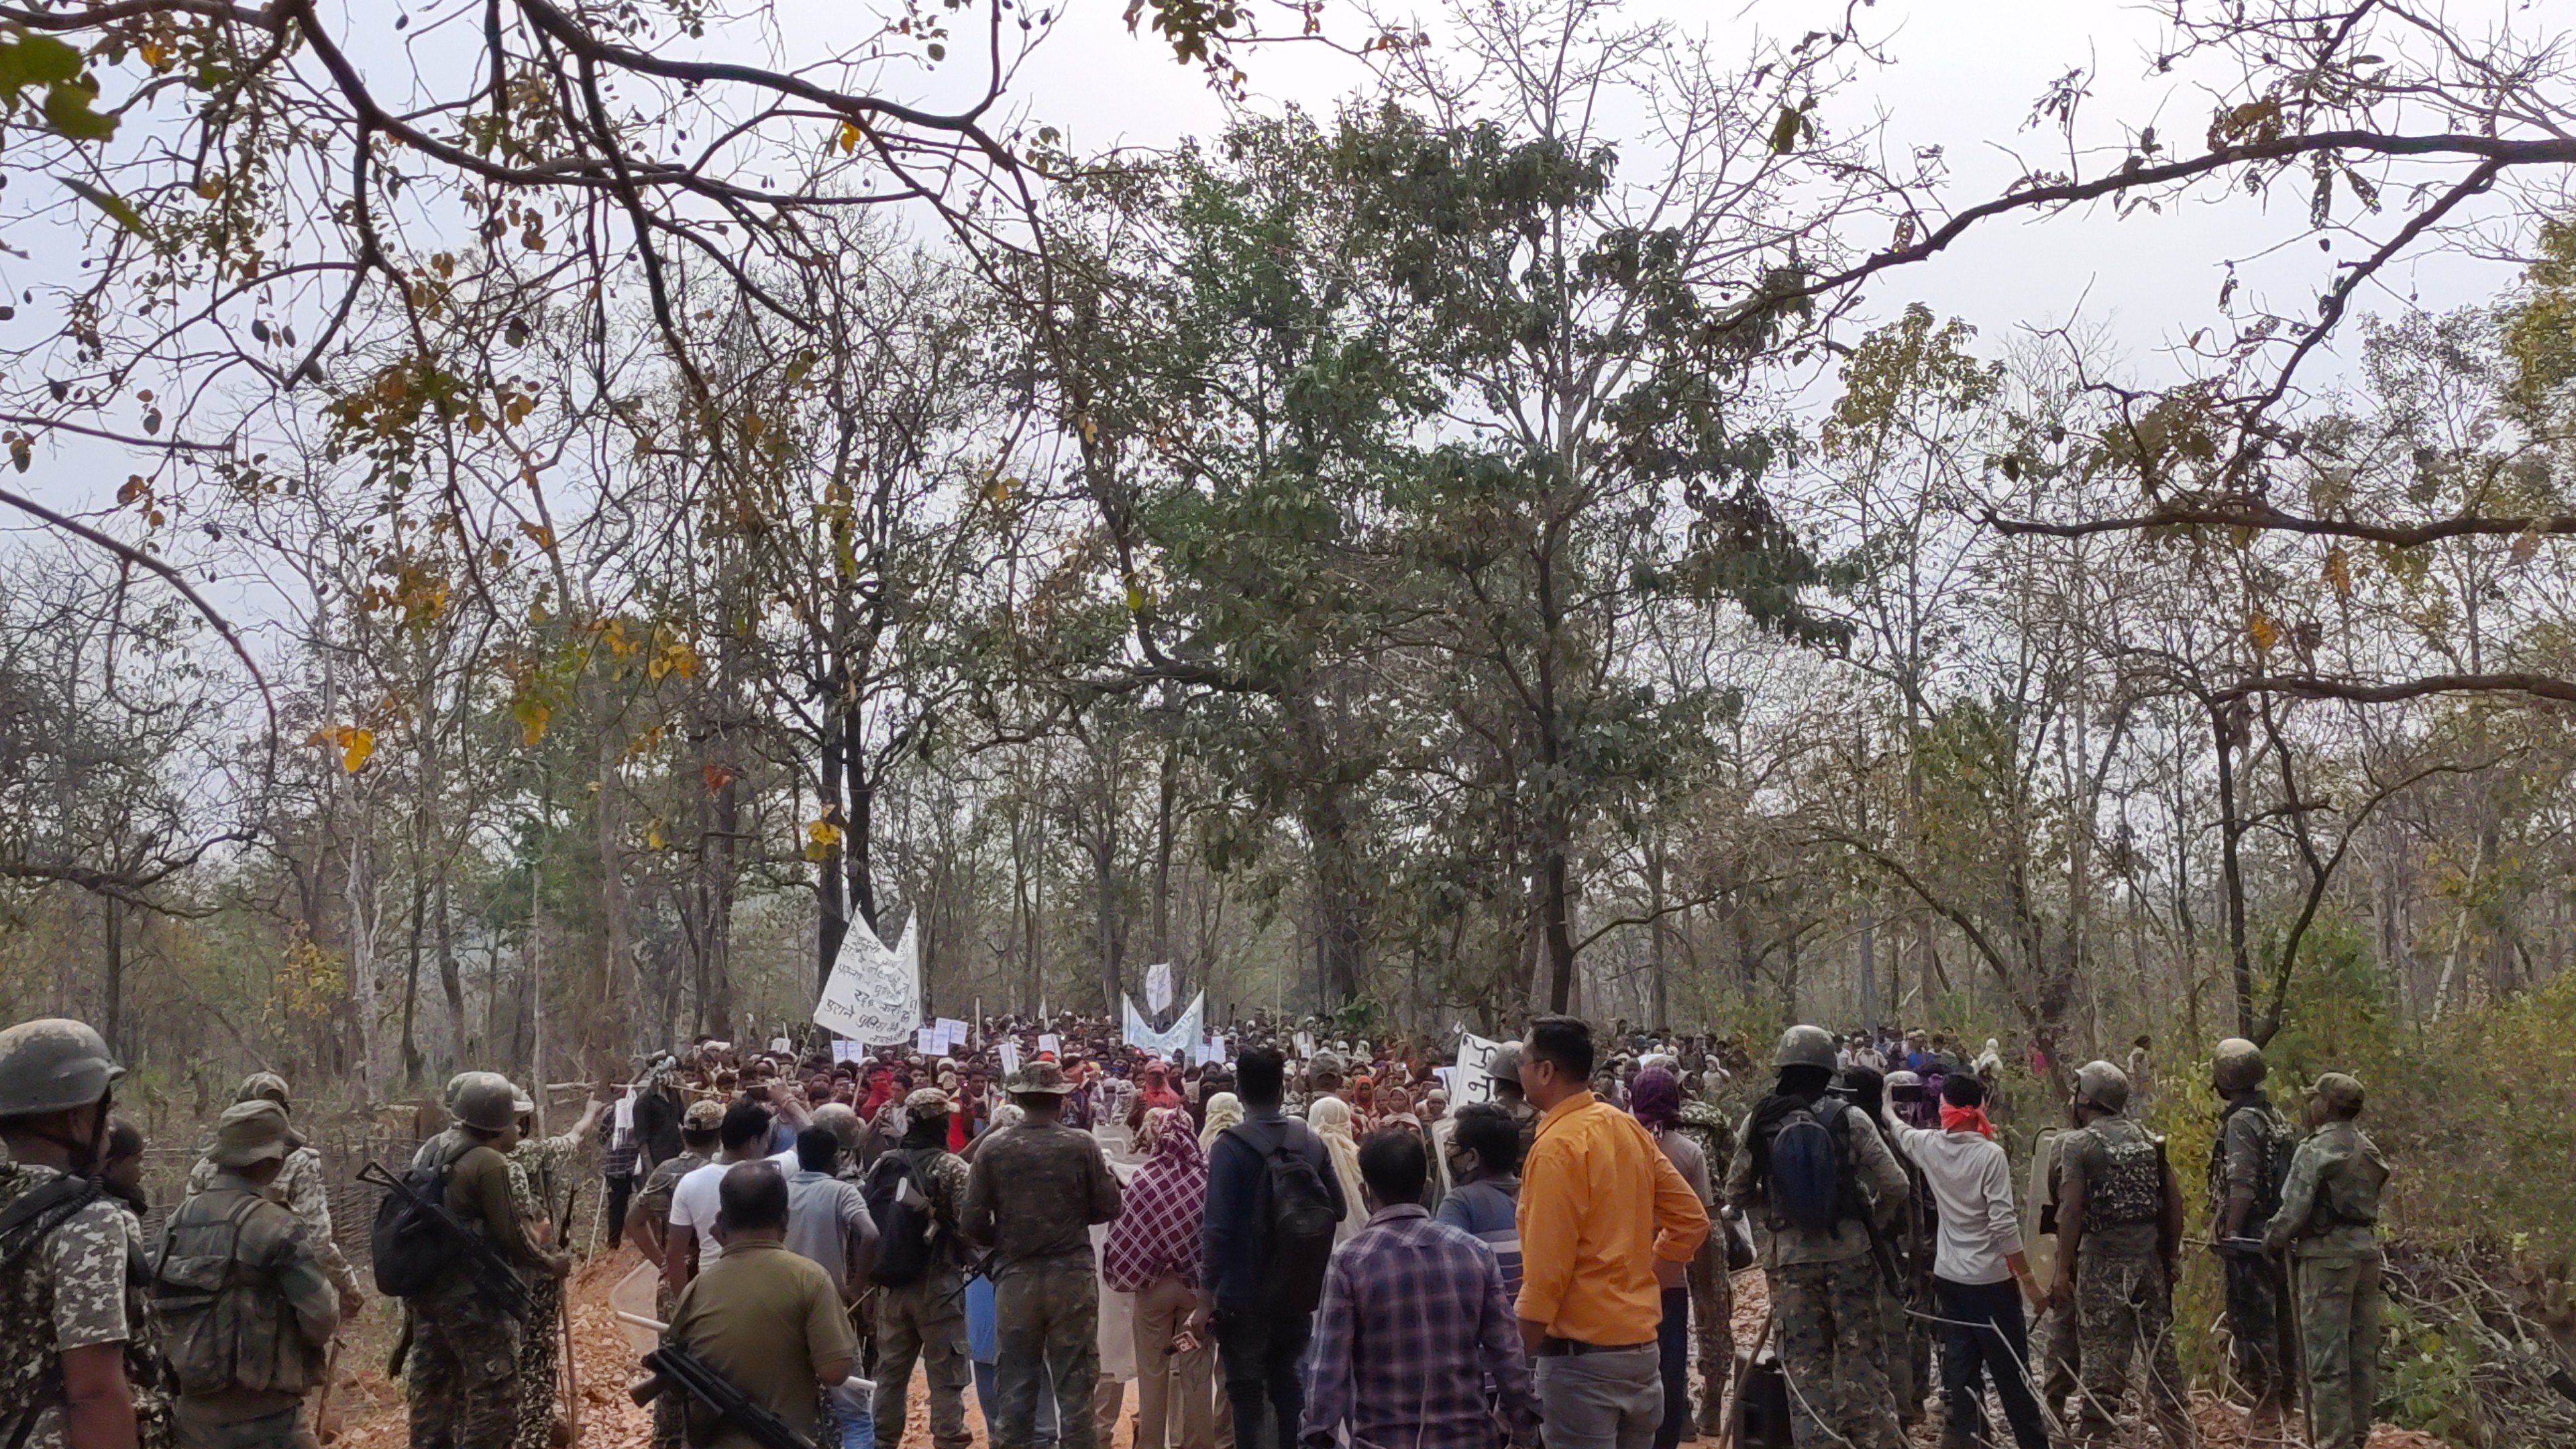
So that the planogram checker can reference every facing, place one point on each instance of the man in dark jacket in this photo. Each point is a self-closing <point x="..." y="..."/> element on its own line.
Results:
<point x="1257" y="1347"/>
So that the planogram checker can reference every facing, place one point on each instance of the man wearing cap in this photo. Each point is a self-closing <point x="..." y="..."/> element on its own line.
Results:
<point x="923" y="1320"/>
<point x="299" y="1185"/>
<point x="1032" y="1197"/>
<point x="2329" y="1225"/>
<point x="246" y="1310"/>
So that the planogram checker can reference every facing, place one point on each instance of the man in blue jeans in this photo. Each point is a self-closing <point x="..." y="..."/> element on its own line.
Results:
<point x="1257" y="1346"/>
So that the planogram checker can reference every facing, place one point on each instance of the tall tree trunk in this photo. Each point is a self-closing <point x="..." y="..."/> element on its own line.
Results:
<point x="112" y="924"/>
<point x="451" y="982"/>
<point x="411" y="977"/>
<point x="2231" y="870"/>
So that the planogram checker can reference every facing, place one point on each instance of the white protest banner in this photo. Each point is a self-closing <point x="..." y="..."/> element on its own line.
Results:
<point x="1178" y="1042"/>
<point x="1158" y="986"/>
<point x="1216" y="1050"/>
<point x="1448" y="1080"/>
<point x="874" y="994"/>
<point x="1305" y="1045"/>
<point x="1010" y="1058"/>
<point x="1471" y="1081"/>
<point x="930" y="1041"/>
<point x="1047" y="1042"/>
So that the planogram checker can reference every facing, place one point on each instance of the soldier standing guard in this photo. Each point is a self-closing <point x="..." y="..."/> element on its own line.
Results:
<point x="465" y="1353"/>
<point x="72" y="1332"/>
<point x="246" y="1307"/>
<point x="299" y="1185"/>
<point x="2328" y="1223"/>
<point x="2119" y="1226"/>
<point x="2245" y="1173"/>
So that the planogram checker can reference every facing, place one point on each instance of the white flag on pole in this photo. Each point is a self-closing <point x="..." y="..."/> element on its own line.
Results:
<point x="874" y="994"/>
<point x="1158" y="986"/>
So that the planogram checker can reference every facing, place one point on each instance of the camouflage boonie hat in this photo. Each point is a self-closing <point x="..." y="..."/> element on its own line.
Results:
<point x="706" y="1115"/>
<point x="1038" y="1079"/>
<point x="263" y="1086"/>
<point x="924" y="1101"/>
<point x="253" y="1131"/>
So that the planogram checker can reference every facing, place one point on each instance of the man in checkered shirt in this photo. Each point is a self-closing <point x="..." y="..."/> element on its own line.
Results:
<point x="1415" y="1345"/>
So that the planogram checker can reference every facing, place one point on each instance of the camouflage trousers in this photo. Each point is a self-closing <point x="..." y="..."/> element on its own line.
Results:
<point x="2339" y="1306"/>
<point x="1046" y="1326"/>
<point x="1712" y="1300"/>
<point x="669" y="1429"/>
<point x="1832" y="1336"/>
<point x="2258" y="1330"/>
<point x="464" y="1371"/>
<point x="923" y="1322"/>
<point x="2059" y="1352"/>
<point x="2124" y="1310"/>
<point x="540" y="1364"/>
<point x="268" y="1431"/>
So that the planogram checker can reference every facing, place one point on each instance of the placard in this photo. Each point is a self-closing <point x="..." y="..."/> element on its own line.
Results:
<point x="1471" y="1080"/>
<point x="873" y="995"/>
<point x="1010" y="1059"/>
<point x="955" y="1031"/>
<point x="1305" y="1046"/>
<point x="930" y="1041"/>
<point x="1047" y="1042"/>
<point x="781" y="1046"/>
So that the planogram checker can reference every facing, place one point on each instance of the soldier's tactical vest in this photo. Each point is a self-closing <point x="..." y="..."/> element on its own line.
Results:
<point x="225" y="1321"/>
<point x="32" y="1207"/>
<point x="2131" y="1186"/>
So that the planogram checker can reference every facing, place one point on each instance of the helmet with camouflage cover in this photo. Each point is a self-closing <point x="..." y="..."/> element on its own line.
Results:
<point x="486" y="1101"/>
<point x="1505" y="1064"/>
<point x="53" y="1065"/>
<point x="2102" y="1085"/>
<point x="2238" y="1066"/>
<point x="1805" y="1046"/>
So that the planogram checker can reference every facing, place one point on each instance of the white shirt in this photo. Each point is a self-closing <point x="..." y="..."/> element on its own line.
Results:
<point x="693" y="1202"/>
<point x="1971" y="1183"/>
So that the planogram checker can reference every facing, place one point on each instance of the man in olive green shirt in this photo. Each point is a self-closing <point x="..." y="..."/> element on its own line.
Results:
<point x="2329" y="1225"/>
<point x="767" y="1319"/>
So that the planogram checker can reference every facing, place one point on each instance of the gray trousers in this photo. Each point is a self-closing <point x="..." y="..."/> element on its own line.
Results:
<point x="1612" y="1400"/>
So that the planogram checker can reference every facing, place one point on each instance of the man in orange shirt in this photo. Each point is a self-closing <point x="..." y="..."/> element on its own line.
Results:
<point x="1599" y="1203"/>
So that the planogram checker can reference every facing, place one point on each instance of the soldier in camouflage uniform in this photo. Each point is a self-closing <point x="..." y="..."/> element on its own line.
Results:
<point x="540" y="1179"/>
<point x="1032" y="1198"/>
<point x="2244" y="1191"/>
<point x="299" y="1185"/>
<point x="1825" y="1286"/>
<point x="77" y="1364"/>
<point x="2119" y="1225"/>
<point x="924" y="1321"/>
<point x="2328" y="1223"/>
<point x="246" y="1308"/>
<point x="465" y="1389"/>
<point x="1712" y="1290"/>
<point x="648" y="1225"/>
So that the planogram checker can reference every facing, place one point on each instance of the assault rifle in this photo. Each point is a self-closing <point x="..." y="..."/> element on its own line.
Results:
<point x="491" y="1271"/>
<point x="674" y="1367"/>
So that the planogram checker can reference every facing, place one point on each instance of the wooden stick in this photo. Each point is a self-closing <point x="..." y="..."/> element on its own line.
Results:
<point x="1735" y="1390"/>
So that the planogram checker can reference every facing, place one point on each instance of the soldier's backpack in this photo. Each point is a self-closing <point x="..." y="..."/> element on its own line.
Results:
<point x="2131" y="1186"/>
<point x="409" y="1246"/>
<point x="223" y="1322"/>
<point x="1292" y="1219"/>
<point x="898" y="1198"/>
<point x="1810" y="1180"/>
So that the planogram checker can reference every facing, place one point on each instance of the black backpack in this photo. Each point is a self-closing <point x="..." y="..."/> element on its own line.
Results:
<point x="1293" y="1222"/>
<point x="1810" y="1181"/>
<point x="409" y="1247"/>
<point x="907" y="1223"/>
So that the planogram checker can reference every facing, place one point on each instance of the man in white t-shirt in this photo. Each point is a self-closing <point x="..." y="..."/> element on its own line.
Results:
<point x="691" y="1242"/>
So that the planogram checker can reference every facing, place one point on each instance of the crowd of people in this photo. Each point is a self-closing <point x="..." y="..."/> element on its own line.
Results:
<point x="1313" y="1243"/>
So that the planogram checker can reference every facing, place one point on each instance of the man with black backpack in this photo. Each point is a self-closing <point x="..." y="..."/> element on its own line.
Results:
<point x="1273" y="1202"/>
<point x="2246" y="1170"/>
<point x="917" y="1195"/>
<point x="1807" y="1167"/>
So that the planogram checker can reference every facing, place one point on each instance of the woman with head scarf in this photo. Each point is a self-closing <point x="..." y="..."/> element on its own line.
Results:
<point x="1331" y="1119"/>
<point x="1153" y="1252"/>
<point x="1364" y="1106"/>
<point x="1224" y="1110"/>
<point x="1655" y="1097"/>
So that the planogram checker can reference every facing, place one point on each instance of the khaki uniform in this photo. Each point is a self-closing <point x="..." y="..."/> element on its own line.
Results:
<point x="248" y="1313"/>
<point x="71" y="1280"/>
<point x="2329" y="1222"/>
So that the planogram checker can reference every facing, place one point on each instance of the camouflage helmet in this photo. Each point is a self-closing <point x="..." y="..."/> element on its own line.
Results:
<point x="262" y="1087"/>
<point x="1805" y="1046"/>
<point x="2102" y="1085"/>
<point x="1505" y="1064"/>
<point x="2238" y="1067"/>
<point x="53" y="1065"/>
<point x="486" y="1101"/>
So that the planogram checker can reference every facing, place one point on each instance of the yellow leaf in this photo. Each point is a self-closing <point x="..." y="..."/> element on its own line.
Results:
<point x="2265" y="632"/>
<point x="355" y="746"/>
<point x="2339" y="571"/>
<point x="533" y="714"/>
<point x="849" y="138"/>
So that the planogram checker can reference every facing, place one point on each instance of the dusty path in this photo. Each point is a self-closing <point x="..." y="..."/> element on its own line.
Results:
<point x="372" y="1415"/>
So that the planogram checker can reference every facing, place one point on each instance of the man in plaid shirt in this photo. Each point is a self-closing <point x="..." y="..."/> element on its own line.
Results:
<point x="1415" y="1345"/>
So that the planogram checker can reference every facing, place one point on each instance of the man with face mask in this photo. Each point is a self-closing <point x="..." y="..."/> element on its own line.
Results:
<point x="69" y="1326"/>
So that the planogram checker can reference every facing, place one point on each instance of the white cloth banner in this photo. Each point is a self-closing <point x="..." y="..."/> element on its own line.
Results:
<point x="1158" y="986"/>
<point x="1178" y="1042"/>
<point x="873" y="996"/>
<point x="1471" y="1082"/>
